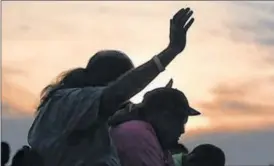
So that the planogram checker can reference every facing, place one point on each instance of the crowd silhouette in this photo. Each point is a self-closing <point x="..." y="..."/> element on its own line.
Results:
<point x="202" y="155"/>
<point x="85" y="117"/>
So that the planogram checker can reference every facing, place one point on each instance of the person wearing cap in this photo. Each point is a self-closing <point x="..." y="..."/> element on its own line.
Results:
<point x="145" y="134"/>
<point x="71" y="121"/>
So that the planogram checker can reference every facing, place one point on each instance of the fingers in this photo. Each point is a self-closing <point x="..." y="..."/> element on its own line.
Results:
<point x="186" y="17"/>
<point x="188" y="25"/>
<point x="181" y="18"/>
<point x="178" y="15"/>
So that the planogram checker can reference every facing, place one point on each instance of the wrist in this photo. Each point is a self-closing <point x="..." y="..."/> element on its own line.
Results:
<point x="158" y="63"/>
<point x="172" y="50"/>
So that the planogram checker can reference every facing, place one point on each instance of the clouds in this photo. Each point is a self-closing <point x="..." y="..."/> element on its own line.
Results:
<point x="241" y="105"/>
<point x="15" y="98"/>
<point x="254" y="23"/>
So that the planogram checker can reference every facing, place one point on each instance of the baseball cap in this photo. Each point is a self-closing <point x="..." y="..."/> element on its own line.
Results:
<point x="169" y="99"/>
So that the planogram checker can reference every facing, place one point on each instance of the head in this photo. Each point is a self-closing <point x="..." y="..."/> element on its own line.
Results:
<point x="103" y="68"/>
<point x="167" y="110"/>
<point x="106" y="66"/>
<point x="26" y="156"/>
<point x="206" y="155"/>
<point x="19" y="157"/>
<point x="5" y="153"/>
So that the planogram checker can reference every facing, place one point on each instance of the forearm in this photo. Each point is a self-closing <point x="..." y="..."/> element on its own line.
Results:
<point x="132" y="82"/>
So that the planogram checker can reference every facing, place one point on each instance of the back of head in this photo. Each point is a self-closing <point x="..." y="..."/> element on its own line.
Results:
<point x="5" y="153"/>
<point x="164" y="99"/>
<point x="27" y="157"/>
<point x="106" y="66"/>
<point x="129" y="111"/>
<point x="18" y="158"/>
<point x="207" y="154"/>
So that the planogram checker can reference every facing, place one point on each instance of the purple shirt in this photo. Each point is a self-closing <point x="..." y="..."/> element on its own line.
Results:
<point x="137" y="145"/>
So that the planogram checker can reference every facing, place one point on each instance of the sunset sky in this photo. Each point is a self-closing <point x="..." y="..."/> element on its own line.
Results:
<point x="226" y="71"/>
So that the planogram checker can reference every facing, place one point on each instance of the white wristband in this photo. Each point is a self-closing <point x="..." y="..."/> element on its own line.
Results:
<point x="158" y="63"/>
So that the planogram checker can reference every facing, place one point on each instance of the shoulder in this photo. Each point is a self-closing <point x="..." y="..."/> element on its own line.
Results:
<point x="134" y="127"/>
<point x="75" y="92"/>
<point x="77" y="97"/>
<point x="135" y="133"/>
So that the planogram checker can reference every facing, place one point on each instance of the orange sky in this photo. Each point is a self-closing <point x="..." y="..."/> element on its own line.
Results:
<point x="226" y="70"/>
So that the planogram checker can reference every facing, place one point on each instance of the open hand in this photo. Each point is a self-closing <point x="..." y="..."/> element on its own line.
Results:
<point x="179" y="26"/>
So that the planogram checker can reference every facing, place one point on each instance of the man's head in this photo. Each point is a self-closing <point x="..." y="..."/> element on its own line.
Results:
<point x="206" y="155"/>
<point x="5" y="153"/>
<point x="167" y="110"/>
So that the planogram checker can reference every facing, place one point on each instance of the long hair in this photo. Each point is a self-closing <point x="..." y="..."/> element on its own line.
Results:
<point x="73" y="78"/>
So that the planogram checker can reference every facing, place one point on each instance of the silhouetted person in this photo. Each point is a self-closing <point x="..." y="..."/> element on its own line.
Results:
<point x="146" y="137"/>
<point x="71" y="123"/>
<point x="205" y="155"/>
<point x="5" y="153"/>
<point x="27" y="157"/>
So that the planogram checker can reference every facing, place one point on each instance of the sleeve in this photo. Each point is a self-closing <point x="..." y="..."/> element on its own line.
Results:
<point x="139" y="149"/>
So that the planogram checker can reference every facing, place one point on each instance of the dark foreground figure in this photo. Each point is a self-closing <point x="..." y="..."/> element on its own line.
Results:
<point x="5" y="153"/>
<point x="27" y="157"/>
<point x="202" y="155"/>
<point x="71" y="126"/>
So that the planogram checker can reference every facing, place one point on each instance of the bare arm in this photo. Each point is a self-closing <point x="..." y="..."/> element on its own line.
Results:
<point x="132" y="83"/>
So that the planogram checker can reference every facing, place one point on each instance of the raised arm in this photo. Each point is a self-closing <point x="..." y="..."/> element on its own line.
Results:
<point x="137" y="79"/>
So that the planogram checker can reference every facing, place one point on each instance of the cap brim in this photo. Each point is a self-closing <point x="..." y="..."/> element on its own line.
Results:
<point x="193" y="112"/>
